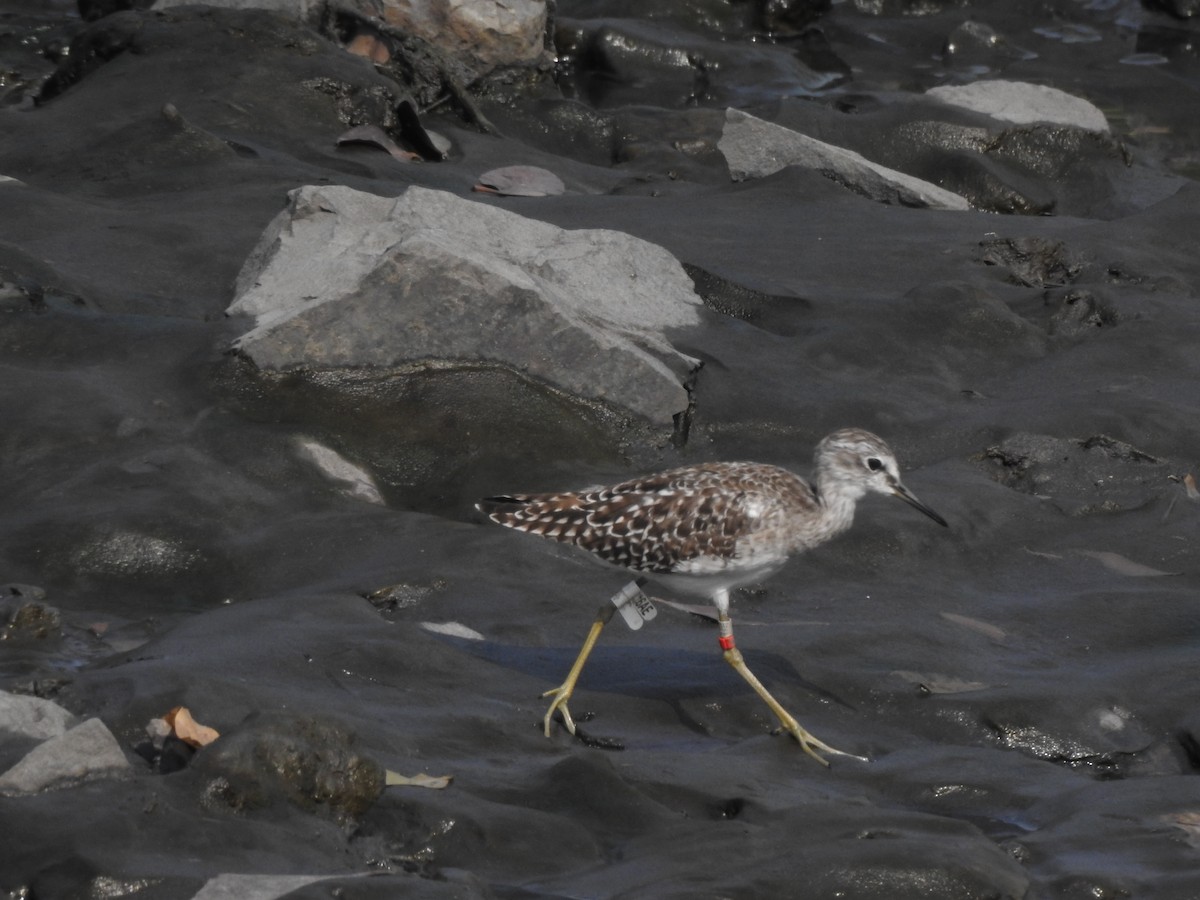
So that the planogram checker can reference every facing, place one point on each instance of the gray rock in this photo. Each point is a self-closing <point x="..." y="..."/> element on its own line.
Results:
<point x="86" y="751"/>
<point x="1023" y="103"/>
<point x="482" y="34"/>
<point x="32" y="717"/>
<point x="345" y="279"/>
<point x="755" y="148"/>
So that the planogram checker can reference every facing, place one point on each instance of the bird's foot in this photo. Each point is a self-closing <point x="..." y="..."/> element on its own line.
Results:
<point x="561" y="695"/>
<point x="810" y="743"/>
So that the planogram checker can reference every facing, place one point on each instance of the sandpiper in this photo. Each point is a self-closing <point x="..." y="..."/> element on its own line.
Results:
<point x="708" y="529"/>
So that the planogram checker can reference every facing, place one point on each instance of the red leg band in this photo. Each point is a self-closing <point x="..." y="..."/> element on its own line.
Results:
<point x="726" y="642"/>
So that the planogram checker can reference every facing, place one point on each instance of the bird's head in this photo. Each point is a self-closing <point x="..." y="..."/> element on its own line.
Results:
<point x="854" y="462"/>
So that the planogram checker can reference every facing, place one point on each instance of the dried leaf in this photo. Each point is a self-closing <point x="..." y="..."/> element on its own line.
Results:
<point x="369" y="46"/>
<point x="940" y="684"/>
<point x="453" y="629"/>
<point x="1189" y="485"/>
<point x="188" y="729"/>
<point x="521" y="181"/>
<point x="985" y="628"/>
<point x="374" y="135"/>
<point x="1122" y="565"/>
<point x="1042" y="554"/>
<point x="433" y="782"/>
<point x="359" y="483"/>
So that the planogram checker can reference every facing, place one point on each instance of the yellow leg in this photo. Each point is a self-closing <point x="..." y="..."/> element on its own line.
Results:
<point x="563" y="692"/>
<point x="809" y="742"/>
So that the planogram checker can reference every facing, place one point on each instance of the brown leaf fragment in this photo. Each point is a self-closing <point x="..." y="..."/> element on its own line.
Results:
<point x="375" y="136"/>
<point x="369" y="46"/>
<point x="1189" y="485"/>
<point x="521" y="181"/>
<point x="188" y="729"/>
<point x="1123" y="565"/>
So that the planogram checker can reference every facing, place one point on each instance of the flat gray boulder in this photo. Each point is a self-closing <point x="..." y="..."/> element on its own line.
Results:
<point x="88" y="750"/>
<point x="755" y="148"/>
<point x="32" y="717"/>
<point x="1023" y="103"/>
<point x="348" y="280"/>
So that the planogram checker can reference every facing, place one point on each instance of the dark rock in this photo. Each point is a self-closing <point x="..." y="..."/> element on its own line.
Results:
<point x="1079" y="312"/>
<point x="306" y="761"/>
<point x="740" y="302"/>
<point x="1102" y="740"/>
<point x="1032" y="261"/>
<point x="1097" y="475"/>
<point x="612" y="63"/>
<point x="103" y="42"/>
<point x="25" y="617"/>
<point x="790" y="16"/>
<point x="902" y="7"/>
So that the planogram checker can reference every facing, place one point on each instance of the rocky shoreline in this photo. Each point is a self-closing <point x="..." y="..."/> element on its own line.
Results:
<point x="260" y="363"/>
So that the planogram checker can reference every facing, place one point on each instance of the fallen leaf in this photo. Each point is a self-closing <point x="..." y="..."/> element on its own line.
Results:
<point x="1042" y="554"/>
<point x="369" y="46"/>
<point x="359" y="483"/>
<point x="374" y="135"/>
<point x="986" y="628"/>
<point x="1189" y="485"/>
<point x="433" y="782"/>
<point x="1122" y="565"/>
<point x="521" y="181"/>
<point x="453" y="629"/>
<point x="188" y="729"/>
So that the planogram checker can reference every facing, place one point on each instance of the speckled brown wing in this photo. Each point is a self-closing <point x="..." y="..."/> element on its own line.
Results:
<point x="656" y="524"/>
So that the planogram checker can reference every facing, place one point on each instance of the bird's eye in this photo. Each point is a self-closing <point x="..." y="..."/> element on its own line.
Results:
<point x="874" y="465"/>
